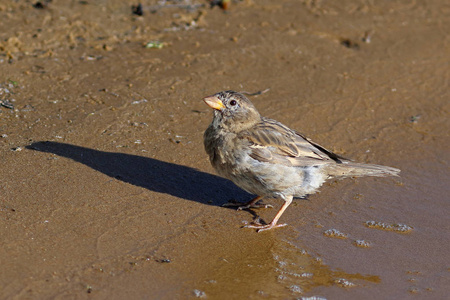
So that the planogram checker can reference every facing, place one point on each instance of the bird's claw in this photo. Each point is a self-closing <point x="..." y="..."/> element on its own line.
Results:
<point x="261" y="227"/>
<point x="254" y="206"/>
<point x="242" y="206"/>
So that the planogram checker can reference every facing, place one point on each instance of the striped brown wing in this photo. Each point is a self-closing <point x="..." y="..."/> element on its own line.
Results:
<point x="273" y="142"/>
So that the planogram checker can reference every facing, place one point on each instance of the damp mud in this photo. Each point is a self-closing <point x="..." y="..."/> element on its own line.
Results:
<point x="106" y="191"/>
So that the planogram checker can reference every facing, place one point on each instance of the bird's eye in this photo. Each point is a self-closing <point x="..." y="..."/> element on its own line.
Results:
<point x="233" y="102"/>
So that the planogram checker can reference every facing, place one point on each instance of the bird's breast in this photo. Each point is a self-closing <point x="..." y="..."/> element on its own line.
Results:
<point x="226" y="151"/>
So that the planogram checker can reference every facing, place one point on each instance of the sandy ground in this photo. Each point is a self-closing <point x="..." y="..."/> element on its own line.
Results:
<point x="105" y="189"/>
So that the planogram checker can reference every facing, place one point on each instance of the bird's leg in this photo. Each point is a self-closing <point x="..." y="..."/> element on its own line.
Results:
<point x="273" y="224"/>
<point x="250" y="204"/>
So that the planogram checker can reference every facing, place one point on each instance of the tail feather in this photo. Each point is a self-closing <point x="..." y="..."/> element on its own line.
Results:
<point x="351" y="169"/>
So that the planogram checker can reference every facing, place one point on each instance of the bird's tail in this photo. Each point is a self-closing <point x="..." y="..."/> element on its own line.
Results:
<point x="350" y="169"/>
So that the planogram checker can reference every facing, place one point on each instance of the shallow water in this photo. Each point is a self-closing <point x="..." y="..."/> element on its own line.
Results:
<point x="122" y="203"/>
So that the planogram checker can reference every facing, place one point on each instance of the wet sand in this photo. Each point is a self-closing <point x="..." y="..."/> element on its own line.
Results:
<point x="106" y="191"/>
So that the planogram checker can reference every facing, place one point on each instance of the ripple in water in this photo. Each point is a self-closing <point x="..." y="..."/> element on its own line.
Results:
<point x="397" y="227"/>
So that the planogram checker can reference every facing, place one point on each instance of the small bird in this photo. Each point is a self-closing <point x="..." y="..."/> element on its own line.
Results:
<point x="268" y="159"/>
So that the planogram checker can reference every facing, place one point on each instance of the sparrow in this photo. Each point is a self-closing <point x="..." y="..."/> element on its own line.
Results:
<point x="268" y="159"/>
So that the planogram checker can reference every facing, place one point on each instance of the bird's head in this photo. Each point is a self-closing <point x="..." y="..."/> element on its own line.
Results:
<point x="232" y="111"/>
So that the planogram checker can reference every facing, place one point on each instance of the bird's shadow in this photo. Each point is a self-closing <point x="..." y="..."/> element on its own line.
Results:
<point x="152" y="174"/>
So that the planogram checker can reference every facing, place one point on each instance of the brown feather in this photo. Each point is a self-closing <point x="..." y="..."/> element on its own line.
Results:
<point x="273" y="142"/>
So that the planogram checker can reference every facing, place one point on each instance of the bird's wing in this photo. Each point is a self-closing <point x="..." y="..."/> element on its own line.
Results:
<point x="271" y="141"/>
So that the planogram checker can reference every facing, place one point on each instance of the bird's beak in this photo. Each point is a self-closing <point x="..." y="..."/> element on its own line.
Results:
<point x="214" y="102"/>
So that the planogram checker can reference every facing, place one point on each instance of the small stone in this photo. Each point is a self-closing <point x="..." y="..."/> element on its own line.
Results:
<point x="296" y="289"/>
<point x="199" y="294"/>
<point x="362" y="244"/>
<point x="334" y="233"/>
<point x="344" y="283"/>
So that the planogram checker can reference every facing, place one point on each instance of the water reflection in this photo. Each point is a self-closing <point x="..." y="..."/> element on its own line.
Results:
<point x="273" y="269"/>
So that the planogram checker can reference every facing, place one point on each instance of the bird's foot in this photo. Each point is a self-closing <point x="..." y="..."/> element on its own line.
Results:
<point x="261" y="227"/>
<point x="242" y="206"/>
